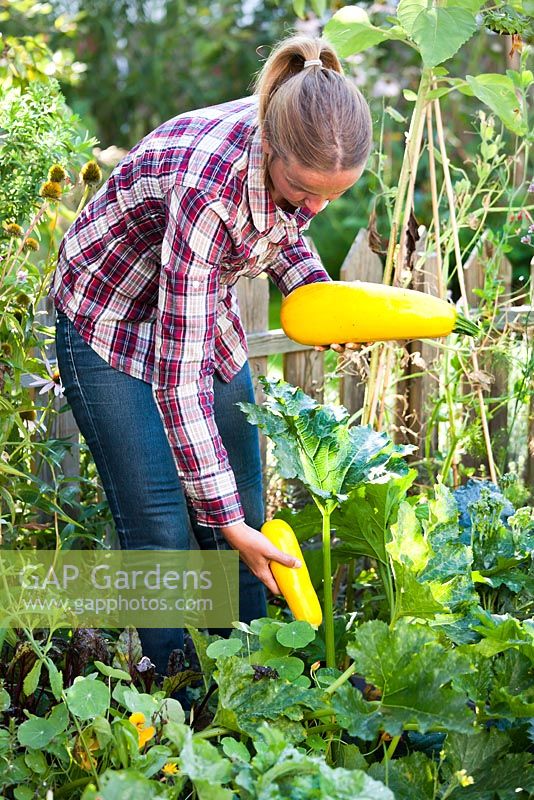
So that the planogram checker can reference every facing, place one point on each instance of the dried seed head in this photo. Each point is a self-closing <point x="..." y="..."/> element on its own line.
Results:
<point x="12" y="229"/>
<point x="51" y="190"/>
<point x="56" y="173"/>
<point x="30" y="244"/>
<point x="91" y="173"/>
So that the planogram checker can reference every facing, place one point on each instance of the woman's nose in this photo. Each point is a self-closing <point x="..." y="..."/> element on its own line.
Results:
<point x="315" y="204"/>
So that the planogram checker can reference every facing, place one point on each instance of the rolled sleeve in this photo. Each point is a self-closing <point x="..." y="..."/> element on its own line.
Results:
<point x="296" y="265"/>
<point x="182" y="381"/>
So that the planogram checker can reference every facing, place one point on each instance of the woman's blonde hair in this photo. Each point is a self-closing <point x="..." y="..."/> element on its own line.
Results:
<point x="314" y="114"/>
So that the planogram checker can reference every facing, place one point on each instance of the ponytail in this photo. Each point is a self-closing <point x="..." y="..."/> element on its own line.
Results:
<point x="312" y="111"/>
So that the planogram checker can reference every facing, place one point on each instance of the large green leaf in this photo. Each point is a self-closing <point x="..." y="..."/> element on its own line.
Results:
<point x="245" y="703"/>
<point x="363" y="522"/>
<point x="412" y="672"/>
<point x="504" y="632"/>
<point x="87" y="698"/>
<point x="37" y="732"/>
<point x="350" y="31"/>
<point x="432" y="567"/>
<point x="314" y="442"/>
<point x="410" y="777"/>
<point x="438" y="32"/>
<point x="498" y="92"/>
<point x="495" y="772"/>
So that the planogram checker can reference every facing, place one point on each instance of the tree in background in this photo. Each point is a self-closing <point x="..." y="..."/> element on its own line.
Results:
<point x="135" y="63"/>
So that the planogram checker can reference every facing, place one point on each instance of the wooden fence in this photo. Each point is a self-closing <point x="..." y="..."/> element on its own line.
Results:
<point x="305" y="367"/>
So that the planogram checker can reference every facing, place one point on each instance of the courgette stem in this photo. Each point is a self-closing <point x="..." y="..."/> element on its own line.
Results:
<point x="465" y="326"/>
<point x="327" y="592"/>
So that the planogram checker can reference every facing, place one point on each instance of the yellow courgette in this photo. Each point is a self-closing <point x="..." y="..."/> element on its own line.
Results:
<point x="295" y="584"/>
<point x="337" y="312"/>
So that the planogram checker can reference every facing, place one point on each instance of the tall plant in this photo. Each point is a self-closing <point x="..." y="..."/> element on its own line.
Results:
<point x="436" y="30"/>
<point x="316" y="444"/>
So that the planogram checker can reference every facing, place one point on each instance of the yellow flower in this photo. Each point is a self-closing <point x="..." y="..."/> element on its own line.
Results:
<point x="91" y="173"/>
<point x="170" y="768"/>
<point x="31" y="244"/>
<point x="144" y="734"/>
<point x="83" y="752"/>
<point x="463" y="778"/>
<point x="51" y="190"/>
<point x="138" y="719"/>
<point x="12" y="229"/>
<point x="56" y="173"/>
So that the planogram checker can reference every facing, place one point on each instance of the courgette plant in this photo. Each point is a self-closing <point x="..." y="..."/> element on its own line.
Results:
<point x="316" y="444"/>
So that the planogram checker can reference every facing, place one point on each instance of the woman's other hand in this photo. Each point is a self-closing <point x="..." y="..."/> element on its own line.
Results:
<point x="257" y="551"/>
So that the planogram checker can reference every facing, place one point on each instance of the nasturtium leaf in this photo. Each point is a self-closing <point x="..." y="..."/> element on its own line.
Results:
<point x="37" y="732"/>
<point x="270" y="646"/>
<point x="87" y="698"/>
<point x="350" y="31"/>
<point x="147" y="704"/>
<point x="296" y="634"/>
<point x="498" y="92"/>
<point x="289" y="668"/>
<point x="36" y="761"/>
<point x="224" y="648"/>
<point x="438" y="32"/>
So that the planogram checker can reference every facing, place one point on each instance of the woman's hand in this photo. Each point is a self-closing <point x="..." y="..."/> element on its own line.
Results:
<point x="256" y="551"/>
<point x="339" y="348"/>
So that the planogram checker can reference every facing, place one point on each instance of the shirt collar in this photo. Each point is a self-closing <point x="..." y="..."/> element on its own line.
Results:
<point x="266" y="215"/>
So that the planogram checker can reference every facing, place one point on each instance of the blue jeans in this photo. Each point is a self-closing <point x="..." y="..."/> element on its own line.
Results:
<point x="119" y="420"/>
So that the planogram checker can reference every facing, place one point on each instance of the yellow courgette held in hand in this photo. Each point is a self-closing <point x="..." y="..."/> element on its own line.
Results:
<point x="337" y="312"/>
<point x="295" y="584"/>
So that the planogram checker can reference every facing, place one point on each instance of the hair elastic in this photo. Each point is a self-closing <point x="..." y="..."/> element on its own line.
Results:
<point x="313" y="62"/>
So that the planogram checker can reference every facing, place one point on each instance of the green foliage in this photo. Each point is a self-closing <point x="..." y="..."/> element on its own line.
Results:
<point x="412" y="672"/>
<point x="315" y="443"/>
<point x="38" y="130"/>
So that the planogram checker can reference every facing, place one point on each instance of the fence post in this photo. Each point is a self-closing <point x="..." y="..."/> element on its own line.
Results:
<point x="360" y="263"/>
<point x="253" y="300"/>
<point x="306" y="369"/>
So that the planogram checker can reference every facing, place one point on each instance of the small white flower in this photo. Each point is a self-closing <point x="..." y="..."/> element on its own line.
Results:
<point x="53" y="382"/>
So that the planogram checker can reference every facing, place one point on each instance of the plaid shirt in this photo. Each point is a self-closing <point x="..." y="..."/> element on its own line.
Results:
<point x="146" y="274"/>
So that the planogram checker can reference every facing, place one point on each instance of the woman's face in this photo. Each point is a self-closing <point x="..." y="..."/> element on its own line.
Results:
<point x="293" y="186"/>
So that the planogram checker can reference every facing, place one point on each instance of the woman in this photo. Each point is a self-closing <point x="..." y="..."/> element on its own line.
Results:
<point x="150" y="346"/>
